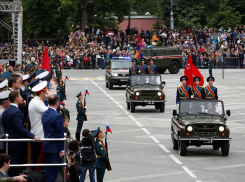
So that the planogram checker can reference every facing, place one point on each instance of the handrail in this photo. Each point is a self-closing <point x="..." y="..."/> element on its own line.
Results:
<point x="63" y="165"/>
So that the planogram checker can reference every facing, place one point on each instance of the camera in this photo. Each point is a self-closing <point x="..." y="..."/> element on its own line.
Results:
<point x="91" y="135"/>
<point x="26" y="177"/>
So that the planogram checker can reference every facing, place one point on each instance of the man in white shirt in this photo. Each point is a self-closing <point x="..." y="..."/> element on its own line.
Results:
<point x="36" y="109"/>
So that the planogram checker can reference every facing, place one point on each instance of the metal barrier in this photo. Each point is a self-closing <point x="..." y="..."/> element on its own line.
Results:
<point x="63" y="165"/>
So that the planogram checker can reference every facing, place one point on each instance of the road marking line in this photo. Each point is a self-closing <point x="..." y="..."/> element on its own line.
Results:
<point x="189" y="171"/>
<point x="138" y="124"/>
<point x="175" y="159"/>
<point x="198" y="181"/>
<point x="120" y="106"/>
<point x="116" y="102"/>
<point x="86" y="78"/>
<point x="99" y="78"/>
<point x="126" y="112"/>
<point x="132" y="118"/>
<point x="73" y="79"/>
<point x="146" y="131"/>
<point x="155" y="140"/>
<point x="164" y="148"/>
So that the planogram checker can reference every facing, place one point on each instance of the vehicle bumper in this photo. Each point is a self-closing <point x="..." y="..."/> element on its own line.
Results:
<point x="148" y="102"/>
<point x="118" y="80"/>
<point x="205" y="139"/>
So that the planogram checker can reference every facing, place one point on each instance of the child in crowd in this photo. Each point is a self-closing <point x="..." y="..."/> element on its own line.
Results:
<point x="66" y="124"/>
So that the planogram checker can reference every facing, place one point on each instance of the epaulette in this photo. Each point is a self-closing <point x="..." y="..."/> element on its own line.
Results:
<point x="100" y="143"/>
<point x="79" y="101"/>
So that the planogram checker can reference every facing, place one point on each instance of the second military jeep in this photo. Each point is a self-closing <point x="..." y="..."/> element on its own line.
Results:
<point x="200" y="122"/>
<point x="145" y="90"/>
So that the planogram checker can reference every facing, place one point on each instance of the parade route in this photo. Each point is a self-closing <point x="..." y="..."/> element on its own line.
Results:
<point x="140" y="144"/>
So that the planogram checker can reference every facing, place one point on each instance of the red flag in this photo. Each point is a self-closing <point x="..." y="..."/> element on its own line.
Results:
<point x="191" y="71"/>
<point x="45" y="62"/>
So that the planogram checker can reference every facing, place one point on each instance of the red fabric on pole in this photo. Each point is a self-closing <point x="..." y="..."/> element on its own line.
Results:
<point x="191" y="71"/>
<point x="45" y="62"/>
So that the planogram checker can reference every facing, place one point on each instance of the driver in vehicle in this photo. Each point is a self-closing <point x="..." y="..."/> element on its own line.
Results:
<point x="153" y="80"/>
<point x="210" y="109"/>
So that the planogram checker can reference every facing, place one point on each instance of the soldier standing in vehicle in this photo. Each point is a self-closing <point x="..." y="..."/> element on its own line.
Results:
<point x="211" y="92"/>
<point x="152" y="69"/>
<point x="183" y="91"/>
<point x="142" y="67"/>
<point x="197" y="91"/>
<point x="134" y="68"/>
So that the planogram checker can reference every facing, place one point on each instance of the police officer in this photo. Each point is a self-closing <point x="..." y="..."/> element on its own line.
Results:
<point x="134" y="68"/>
<point x="142" y="67"/>
<point x="80" y="115"/>
<point x="197" y="91"/>
<point x="152" y="69"/>
<point x="210" y="91"/>
<point x="210" y="65"/>
<point x="183" y="91"/>
<point x="102" y="159"/>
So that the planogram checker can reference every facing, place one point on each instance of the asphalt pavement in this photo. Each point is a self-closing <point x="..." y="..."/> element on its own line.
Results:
<point x="140" y="144"/>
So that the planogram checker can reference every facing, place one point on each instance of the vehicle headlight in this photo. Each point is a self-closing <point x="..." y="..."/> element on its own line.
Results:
<point x="221" y="128"/>
<point x="137" y="93"/>
<point x="189" y="128"/>
<point x="114" y="74"/>
<point x="159" y="93"/>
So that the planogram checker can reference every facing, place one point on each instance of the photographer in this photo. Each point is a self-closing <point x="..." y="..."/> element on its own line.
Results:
<point x="88" y="156"/>
<point x="4" y="167"/>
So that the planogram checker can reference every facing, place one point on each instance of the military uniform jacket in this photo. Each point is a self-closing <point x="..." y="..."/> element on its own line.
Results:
<point x="61" y="92"/>
<point x="143" y="69"/>
<point x="183" y="93"/>
<point x="211" y="92"/>
<point x="58" y="73"/>
<point x="133" y="70"/>
<point x="102" y="159"/>
<point x="210" y="63"/>
<point x="66" y="113"/>
<point x="198" y="92"/>
<point x="80" y="110"/>
<point x="29" y="97"/>
<point x="152" y="69"/>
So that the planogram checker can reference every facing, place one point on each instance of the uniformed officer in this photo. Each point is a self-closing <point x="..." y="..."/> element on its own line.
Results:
<point x="210" y="91"/>
<point x="134" y="68"/>
<point x="197" y="91"/>
<point x="183" y="91"/>
<point x="42" y="75"/>
<point x="210" y="109"/>
<point x="152" y="69"/>
<point x="61" y="89"/>
<point x="4" y="85"/>
<point x="30" y="79"/>
<point x="80" y="115"/>
<point x="30" y="94"/>
<point x="210" y="65"/>
<point x="66" y="112"/>
<point x="142" y="67"/>
<point x="102" y="159"/>
<point x="58" y="71"/>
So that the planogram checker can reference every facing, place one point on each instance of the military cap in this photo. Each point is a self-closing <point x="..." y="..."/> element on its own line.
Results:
<point x="96" y="133"/>
<point x="4" y="95"/>
<point x="25" y="77"/>
<point x="62" y="103"/>
<point x="43" y="75"/>
<point x="48" y="77"/>
<point x="33" y="76"/>
<point x="41" y="87"/>
<point x="30" y="65"/>
<point x="183" y="77"/>
<point x="134" y="60"/>
<point x="33" y="83"/>
<point x="79" y="94"/>
<point x="196" y="78"/>
<point x="142" y="59"/>
<point x="39" y="72"/>
<point x="3" y="84"/>
<point x="210" y="78"/>
<point x="151" y="60"/>
<point x="59" y="77"/>
<point x="5" y="75"/>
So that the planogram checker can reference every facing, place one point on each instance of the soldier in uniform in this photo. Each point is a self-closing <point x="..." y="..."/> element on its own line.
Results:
<point x="183" y="91"/>
<point x="66" y="112"/>
<point x="4" y="85"/>
<point x="58" y="71"/>
<point x="210" y="109"/>
<point x="30" y="94"/>
<point x="210" y="91"/>
<point x="197" y="91"/>
<point x="152" y="69"/>
<point x="142" y="67"/>
<point x="210" y="65"/>
<point x="102" y="159"/>
<point x="80" y="115"/>
<point x="134" y="68"/>
<point x="61" y="89"/>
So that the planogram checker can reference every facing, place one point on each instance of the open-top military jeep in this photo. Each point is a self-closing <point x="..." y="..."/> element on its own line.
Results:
<point x="200" y="122"/>
<point x="145" y="90"/>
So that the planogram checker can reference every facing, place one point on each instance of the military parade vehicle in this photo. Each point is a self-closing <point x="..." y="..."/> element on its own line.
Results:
<point x="144" y="89"/>
<point x="200" y="122"/>
<point x="164" y="58"/>
<point x="117" y="71"/>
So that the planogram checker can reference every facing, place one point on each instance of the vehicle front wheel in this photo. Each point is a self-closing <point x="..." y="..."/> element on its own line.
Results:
<point x="182" y="148"/>
<point x="157" y="106"/>
<point x="174" y="142"/>
<point x="132" y="107"/>
<point x="174" y="67"/>
<point x="162" y="107"/>
<point x="110" y="86"/>
<point x="128" y="106"/>
<point x="225" y="147"/>
<point x="216" y="146"/>
<point x="106" y="84"/>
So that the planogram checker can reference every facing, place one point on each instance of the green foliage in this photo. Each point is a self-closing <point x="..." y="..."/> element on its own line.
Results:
<point x="157" y="24"/>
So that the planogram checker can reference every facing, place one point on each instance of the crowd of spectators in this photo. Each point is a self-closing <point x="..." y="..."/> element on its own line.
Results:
<point x="91" y="48"/>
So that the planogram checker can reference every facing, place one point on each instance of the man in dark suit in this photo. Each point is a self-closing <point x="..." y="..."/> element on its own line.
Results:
<point x="13" y="124"/>
<point x="53" y="128"/>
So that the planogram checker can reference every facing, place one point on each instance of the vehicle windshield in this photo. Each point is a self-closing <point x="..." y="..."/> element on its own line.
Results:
<point x="120" y="65"/>
<point x="201" y="107"/>
<point x="146" y="80"/>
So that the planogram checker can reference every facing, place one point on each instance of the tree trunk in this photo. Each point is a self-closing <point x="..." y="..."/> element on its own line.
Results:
<point x="84" y="12"/>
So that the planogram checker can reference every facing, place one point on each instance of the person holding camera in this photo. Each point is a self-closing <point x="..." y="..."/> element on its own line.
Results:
<point x="4" y="167"/>
<point x="88" y="156"/>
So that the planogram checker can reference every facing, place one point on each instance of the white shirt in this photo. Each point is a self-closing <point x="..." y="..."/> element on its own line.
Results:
<point x="13" y="104"/>
<point x="36" y="109"/>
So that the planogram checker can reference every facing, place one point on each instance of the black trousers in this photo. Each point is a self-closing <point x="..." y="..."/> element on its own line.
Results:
<point x="15" y="159"/>
<point x="37" y="154"/>
<point x="100" y="174"/>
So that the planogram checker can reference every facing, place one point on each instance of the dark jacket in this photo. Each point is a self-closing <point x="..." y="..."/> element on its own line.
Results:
<point x="87" y="151"/>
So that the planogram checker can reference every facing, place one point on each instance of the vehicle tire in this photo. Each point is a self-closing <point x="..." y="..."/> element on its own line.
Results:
<point x="128" y="106"/>
<point x="174" y="67"/>
<point x="161" y="71"/>
<point x="182" y="148"/>
<point x="157" y="106"/>
<point x="225" y="147"/>
<point x="174" y="142"/>
<point x="132" y="107"/>
<point x="106" y="84"/>
<point x="110" y="86"/>
<point x="216" y="146"/>
<point x="162" y="107"/>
